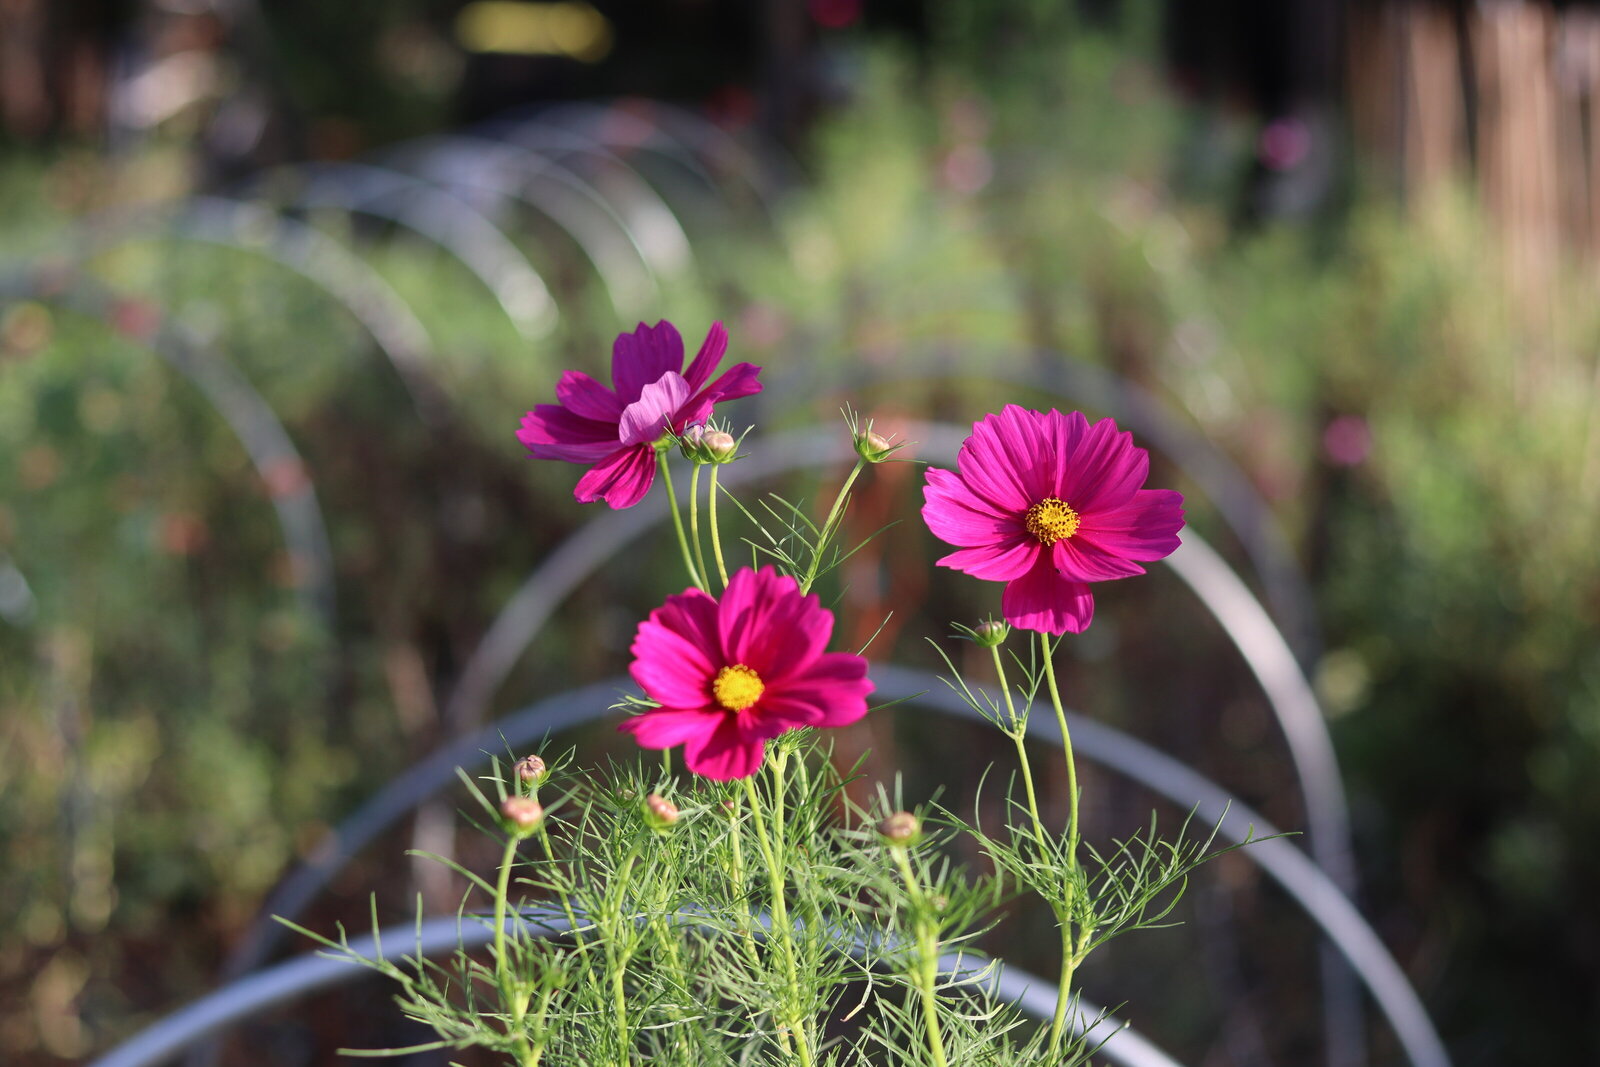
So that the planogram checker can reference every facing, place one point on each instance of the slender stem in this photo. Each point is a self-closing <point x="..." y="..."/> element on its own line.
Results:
<point x="694" y="526"/>
<point x="1069" y="954"/>
<point x="677" y="520"/>
<point x="716" y="538"/>
<point x="617" y="958"/>
<point x="1018" y="738"/>
<point x="827" y="526"/>
<point x="782" y="932"/>
<point x="1066" y="746"/>
<point x="515" y="1002"/>
<point x="926" y="975"/>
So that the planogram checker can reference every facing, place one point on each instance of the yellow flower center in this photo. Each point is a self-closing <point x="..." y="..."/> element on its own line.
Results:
<point x="737" y="687"/>
<point x="1050" y="520"/>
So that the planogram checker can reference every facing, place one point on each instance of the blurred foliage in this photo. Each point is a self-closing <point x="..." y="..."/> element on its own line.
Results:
<point x="178" y="730"/>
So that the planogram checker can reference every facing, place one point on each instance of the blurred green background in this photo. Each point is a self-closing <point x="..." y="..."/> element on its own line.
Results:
<point x="1365" y="267"/>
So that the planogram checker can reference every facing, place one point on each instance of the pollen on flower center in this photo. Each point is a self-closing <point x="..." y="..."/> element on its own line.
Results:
<point x="1050" y="520"/>
<point x="737" y="687"/>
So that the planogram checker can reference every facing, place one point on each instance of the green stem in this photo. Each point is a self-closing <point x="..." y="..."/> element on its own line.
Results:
<point x="926" y="976"/>
<point x="516" y="1003"/>
<point x="827" y="526"/>
<point x="1069" y="954"/>
<point x="677" y="520"/>
<point x="617" y="960"/>
<point x="694" y="526"/>
<point x="782" y="932"/>
<point x="716" y="538"/>
<point x="736" y="875"/>
<point x="1019" y="739"/>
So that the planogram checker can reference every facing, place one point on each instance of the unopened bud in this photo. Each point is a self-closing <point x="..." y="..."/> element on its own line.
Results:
<point x="720" y="445"/>
<point x="991" y="633"/>
<point x="873" y="447"/>
<point x="729" y="807"/>
<point x="522" y="815"/>
<point x="531" y="769"/>
<point x="660" y="812"/>
<point x="901" y="829"/>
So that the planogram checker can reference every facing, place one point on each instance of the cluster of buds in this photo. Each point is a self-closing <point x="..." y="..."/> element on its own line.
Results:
<point x="707" y="444"/>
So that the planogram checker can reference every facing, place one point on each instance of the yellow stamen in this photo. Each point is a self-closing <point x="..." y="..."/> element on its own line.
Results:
<point x="737" y="687"/>
<point x="1050" y="520"/>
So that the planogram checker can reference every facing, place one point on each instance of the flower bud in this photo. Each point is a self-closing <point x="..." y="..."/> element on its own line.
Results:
<point x="521" y="815"/>
<point x="660" y="812"/>
<point x="873" y="447"/>
<point x="531" y="769"/>
<point x="901" y="830"/>
<point x="991" y="633"/>
<point x="720" y="446"/>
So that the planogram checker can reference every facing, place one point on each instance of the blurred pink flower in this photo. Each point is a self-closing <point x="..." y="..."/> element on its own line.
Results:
<point x="732" y="674"/>
<point x="1047" y="503"/>
<point x="616" y="431"/>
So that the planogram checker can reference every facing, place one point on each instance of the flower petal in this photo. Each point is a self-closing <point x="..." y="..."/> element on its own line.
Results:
<point x="751" y="613"/>
<point x="1043" y="601"/>
<point x="671" y="667"/>
<point x="550" y="431"/>
<point x="584" y="396"/>
<point x="995" y="563"/>
<point x="1001" y="460"/>
<point x="622" y="478"/>
<point x="1080" y="560"/>
<point x="643" y="356"/>
<point x="725" y="753"/>
<point x="1105" y="470"/>
<point x="711" y="352"/>
<point x="667" y="727"/>
<point x="956" y="515"/>
<point x="831" y="692"/>
<point x="1145" y="528"/>
<point x="651" y="415"/>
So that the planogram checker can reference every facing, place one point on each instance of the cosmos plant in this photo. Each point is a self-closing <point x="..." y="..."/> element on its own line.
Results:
<point x="717" y="914"/>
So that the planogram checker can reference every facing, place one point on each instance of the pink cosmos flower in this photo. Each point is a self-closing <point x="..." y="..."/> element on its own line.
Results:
<point x="616" y="431"/>
<point x="732" y="674"/>
<point x="1047" y="503"/>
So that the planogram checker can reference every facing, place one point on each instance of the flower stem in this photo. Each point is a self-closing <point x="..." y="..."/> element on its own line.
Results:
<point x="1019" y="738"/>
<point x="694" y="527"/>
<point x="677" y="520"/>
<point x="826" y="533"/>
<point x="515" y="1002"/>
<point x="782" y="932"/>
<point x="1063" y="910"/>
<point x="926" y="975"/>
<point x="716" y="538"/>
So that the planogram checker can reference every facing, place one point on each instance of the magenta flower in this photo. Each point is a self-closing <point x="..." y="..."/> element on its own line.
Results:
<point x="616" y="431"/>
<point x="732" y="674"/>
<point x="1047" y="504"/>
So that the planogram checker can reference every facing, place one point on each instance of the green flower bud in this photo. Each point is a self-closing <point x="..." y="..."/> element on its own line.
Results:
<point x="991" y="633"/>
<point x="531" y="770"/>
<point x="660" y="812"/>
<point x="873" y="447"/>
<point x="900" y="830"/>
<point x="521" y="815"/>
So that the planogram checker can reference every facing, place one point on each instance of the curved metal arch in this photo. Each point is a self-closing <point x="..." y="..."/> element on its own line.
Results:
<point x="447" y="221"/>
<point x="271" y="450"/>
<point x="655" y="228"/>
<point x="289" y="981"/>
<point x="510" y="171"/>
<point x="1305" y="883"/>
<point x="304" y="250"/>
